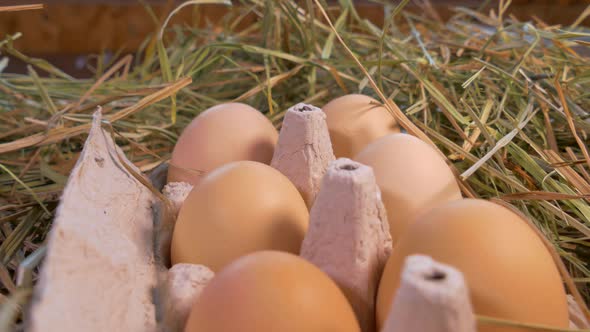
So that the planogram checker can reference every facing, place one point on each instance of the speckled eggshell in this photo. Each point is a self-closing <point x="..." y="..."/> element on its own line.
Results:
<point x="237" y="209"/>
<point x="412" y="177"/>
<point x="271" y="291"/>
<point x="221" y="134"/>
<point x="356" y="120"/>
<point x="509" y="272"/>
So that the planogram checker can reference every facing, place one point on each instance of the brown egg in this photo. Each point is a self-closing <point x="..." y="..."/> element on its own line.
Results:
<point x="509" y="272"/>
<point x="220" y="135"/>
<point x="239" y="208"/>
<point x="271" y="291"/>
<point x="356" y="120"/>
<point x="412" y="177"/>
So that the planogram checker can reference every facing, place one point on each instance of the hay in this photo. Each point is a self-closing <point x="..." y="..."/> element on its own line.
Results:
<point x="505" y="101"/>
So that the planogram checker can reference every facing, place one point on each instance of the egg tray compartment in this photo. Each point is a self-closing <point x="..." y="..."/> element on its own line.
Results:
<point x="163" y="228"/>
<point x="452" y="307"/>
<point x="163" y="224"/>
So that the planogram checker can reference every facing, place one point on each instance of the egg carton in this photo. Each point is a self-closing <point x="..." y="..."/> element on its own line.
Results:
<point x="114" y="274"/>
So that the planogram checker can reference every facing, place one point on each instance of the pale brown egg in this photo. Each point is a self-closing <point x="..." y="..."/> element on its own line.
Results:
<point x="412" y="177"/>
<point x="356" y="120"/>
<point x="271" y="291"/>
<point x="220" y="135"/>
<point x="509" y="272"/>
<point x="239" y="208"/>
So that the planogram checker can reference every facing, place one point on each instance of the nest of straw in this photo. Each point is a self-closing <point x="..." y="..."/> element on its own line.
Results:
<point x="505" y="100"/>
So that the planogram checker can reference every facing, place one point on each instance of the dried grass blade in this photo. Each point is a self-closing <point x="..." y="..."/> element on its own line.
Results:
<point x="42" y="91"/>
<point x="473" y="78"/>
<point x="159" y="95"/>
<point x="329" y="45"/>
<point x="124" y="62"/>
<point x="549" y="128"/>
<point x="14" y="240"/>
<point x="501" y="143"/>
<point x="570" y="121"/>
<point x="568" y="173"/>
<point x="39" y="63"/>
<point x="12" y="307"/>
<point x="189" y="3"/>
<point x="578" y="163"/>
<point x="166" y="73"/>
<point x="486" y="320"/>
<point x="5" y="279"/>
<point x="529" y="50"/>
<point x="271" y="83"/>
<point x="386" y="26"/>
<point x="24" y="275"/>
<point x="13" y="216"/>
<point x="37" y="199"/>
<point x="438" y="95"/>
<point x="52" y="175"/>
<point x="581" y="18"/>
<point x="541" y="195"/>
<point x="17" y="8"/>
<point x="25" y="169"/>
<point x="418" y="38"/>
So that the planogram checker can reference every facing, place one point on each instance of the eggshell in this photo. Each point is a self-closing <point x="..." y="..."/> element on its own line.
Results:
<point x="412" y="177"/>
<point x="220" y="135"/>
<point x="356" y="120"/>
<point x="239" y="208"/>
<point x="509" y="272"/>
<point x="271" y="291"/>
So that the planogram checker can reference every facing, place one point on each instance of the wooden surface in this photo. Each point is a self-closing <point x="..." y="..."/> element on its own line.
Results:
<point x="68" y="28"/>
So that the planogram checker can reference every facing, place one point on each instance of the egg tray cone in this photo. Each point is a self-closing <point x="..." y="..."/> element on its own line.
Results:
<point x="348" y="221"/>
<point x="303" y="150"/>
<point x="99" y="270"/>
<point x="432" y="297"/>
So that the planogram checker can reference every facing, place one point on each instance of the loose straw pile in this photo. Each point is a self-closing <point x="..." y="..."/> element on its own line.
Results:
<point x="504" y="100"/>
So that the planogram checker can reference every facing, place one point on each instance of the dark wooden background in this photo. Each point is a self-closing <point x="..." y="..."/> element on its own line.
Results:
<point x="66" y="29"/>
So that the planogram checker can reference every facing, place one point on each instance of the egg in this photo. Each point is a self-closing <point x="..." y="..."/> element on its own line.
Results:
<point x="412" y="178"/>
<point x="356" y="120"/>
<point x="270" y="291"/>
<point x="239" y="208"/>
<point x="509" y="272"/>
<point x="221" y="134"/>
